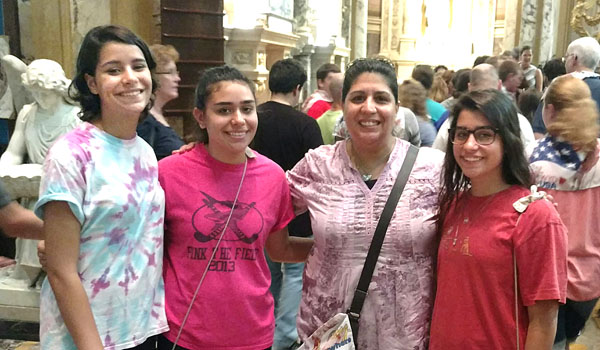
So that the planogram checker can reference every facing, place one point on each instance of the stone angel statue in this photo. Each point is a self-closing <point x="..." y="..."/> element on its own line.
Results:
<point x="38" y="125"/>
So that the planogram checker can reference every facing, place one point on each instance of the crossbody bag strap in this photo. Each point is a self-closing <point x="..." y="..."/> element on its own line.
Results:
<point x="390" y="206"/>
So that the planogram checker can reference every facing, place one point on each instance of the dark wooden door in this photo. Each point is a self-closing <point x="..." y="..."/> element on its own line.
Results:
<point x="195" y="28"/>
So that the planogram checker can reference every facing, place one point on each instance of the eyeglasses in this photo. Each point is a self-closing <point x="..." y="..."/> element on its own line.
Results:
<point x="484" y="135"/>
<point x="170" y="72"/>
<point x="564" y="58"/>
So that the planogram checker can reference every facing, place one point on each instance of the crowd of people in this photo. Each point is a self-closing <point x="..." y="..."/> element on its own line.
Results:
<point x="257" y="234"/>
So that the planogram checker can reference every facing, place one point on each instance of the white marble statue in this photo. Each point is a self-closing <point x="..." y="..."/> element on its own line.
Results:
<point x="38" y="125"/>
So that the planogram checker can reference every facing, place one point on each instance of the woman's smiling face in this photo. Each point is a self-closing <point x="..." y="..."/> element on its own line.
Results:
<point x="370" y="110"/>
<point x="122" y="80"/>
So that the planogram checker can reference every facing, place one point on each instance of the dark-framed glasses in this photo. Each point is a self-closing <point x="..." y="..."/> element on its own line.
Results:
<point x="484" y="135"/>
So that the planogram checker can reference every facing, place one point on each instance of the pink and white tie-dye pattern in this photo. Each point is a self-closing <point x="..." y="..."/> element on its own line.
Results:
<point x="111" y="186"/>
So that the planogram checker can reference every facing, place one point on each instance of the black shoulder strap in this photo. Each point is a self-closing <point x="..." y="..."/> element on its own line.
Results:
<point x="378" y="237"/>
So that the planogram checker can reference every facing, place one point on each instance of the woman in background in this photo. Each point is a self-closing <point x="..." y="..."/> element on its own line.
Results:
<point x="557" y="163"/>
<point x="155" y="129"/>
<point x="412" y="95"/>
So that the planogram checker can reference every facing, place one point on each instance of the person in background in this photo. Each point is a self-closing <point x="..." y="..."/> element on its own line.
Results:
<point x="448" y="76"/>
<point x="528" y="103"/>
<point x="328" y="120"/>
<point x="581" y="61"/>
<point x="154" y="128"/>
<point x="460" y="85"/>
<point x="483" y="77"/>
<point x="570" y="115"/>
<point x="424" y="75"/>
<point x="319" y="101"/>
<point x="480" y="59"/>
<point x="511" y="75"/>
<point x="440" y="69"/>
<point x="531" y="73"/>
<point x="439" y="89"/>
<point x="552" y="69"/>
<point x="494" y="261"/>
<point x="284" y="135"/>
<point x="16" y="221"/>
<point x="103" y="208"/>
<point x="412" y="95"/>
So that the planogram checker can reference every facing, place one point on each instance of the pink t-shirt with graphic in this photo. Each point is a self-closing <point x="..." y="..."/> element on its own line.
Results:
<point x="234" y="308"/>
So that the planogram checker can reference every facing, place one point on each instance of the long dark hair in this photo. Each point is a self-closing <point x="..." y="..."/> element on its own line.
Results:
<point x="501" y="112"/>
<point x="87" y="60"/>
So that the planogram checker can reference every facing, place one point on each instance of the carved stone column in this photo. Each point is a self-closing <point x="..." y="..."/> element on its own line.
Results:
<point x="253" y="51"/>
<point x="537" y="21"/>
<point x="400" y="27"/>
<point x="358" y="43"/>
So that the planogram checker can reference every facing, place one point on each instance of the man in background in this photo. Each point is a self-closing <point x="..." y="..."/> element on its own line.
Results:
<point x="328" y="120"/>
<point x="319" y="101"/>
<point x="284" y="135"/>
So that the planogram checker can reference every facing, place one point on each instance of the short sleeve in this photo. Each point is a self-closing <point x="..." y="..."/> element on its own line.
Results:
<point x="541" y="252"/>
<point x="63" y="180"/>
<point x="286" y="211"/>
<point x="298" y="182"/>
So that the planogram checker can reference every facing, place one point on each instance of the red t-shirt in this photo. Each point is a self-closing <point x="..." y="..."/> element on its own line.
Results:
<point x="318" y="108"/>
<point x="234" y="308"/>
<point x="475" y="303"/>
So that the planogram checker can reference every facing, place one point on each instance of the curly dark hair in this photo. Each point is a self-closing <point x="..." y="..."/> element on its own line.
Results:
<point x="87" y="60"/>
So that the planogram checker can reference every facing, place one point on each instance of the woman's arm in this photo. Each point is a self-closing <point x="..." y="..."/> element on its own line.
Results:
<point x="62" y="232"/>
<point x="542" y="325"/>
<point x="283" y="248"/>
<point x="539" y="80"/>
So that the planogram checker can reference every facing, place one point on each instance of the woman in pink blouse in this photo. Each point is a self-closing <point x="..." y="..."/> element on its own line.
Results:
<point x="344" y="187"/>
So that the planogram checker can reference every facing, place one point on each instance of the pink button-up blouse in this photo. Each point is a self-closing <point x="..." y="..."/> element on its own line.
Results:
<point x="344" y="213"/>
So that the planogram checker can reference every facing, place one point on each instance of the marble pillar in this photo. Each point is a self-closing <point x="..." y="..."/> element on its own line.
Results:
<point x="511" y="26"/>
<point x="399" y="32"/>
<point x="547" y="37"/>
<point x="528" y="23"/>
<point x="303" y="54"/>
<point x="253" y="51"/>
<point x="304" y="15"/>
<point x="359" y="28"/>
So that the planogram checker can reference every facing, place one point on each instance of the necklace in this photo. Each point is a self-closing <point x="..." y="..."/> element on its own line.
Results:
<point x="465" y="219"/>
<point x="367" y="173"/>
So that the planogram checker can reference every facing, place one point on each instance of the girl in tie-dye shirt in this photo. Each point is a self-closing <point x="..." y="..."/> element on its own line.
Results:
<point x="103" y="208"/>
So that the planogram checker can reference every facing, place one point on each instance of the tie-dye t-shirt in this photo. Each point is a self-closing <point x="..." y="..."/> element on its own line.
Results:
<point x="111" y="186"/>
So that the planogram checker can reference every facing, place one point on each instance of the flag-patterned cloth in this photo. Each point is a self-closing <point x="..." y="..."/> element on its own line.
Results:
<point x="555" y="166"/>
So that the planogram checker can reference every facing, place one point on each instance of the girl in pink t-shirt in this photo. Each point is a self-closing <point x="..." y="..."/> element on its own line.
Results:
<point x="485" y="173"/>
<point x="205" y="240"/>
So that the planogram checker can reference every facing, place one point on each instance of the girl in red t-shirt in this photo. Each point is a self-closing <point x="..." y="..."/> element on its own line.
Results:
<point x="485" y="244"/>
